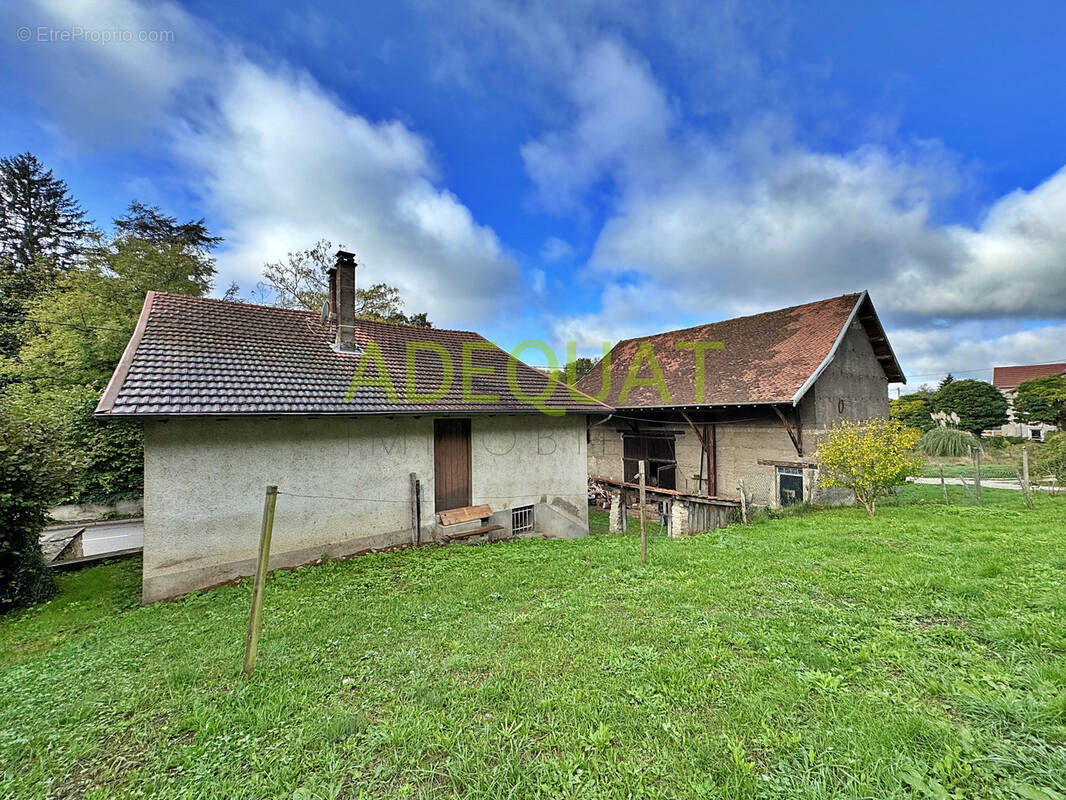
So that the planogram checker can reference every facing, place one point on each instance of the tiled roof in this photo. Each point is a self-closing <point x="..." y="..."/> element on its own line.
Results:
<point x="772" y="357"/>
<point x="1010" y="377"/>
<point x="192" y="355"/>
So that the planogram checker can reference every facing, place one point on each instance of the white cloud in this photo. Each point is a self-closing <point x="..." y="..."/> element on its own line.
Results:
<point x="970" y="351"/>
<point x="283" y="163"/>
<point x="701" y="226"/>
<point x="622" y="122"/>
<point x="556" y="249"/>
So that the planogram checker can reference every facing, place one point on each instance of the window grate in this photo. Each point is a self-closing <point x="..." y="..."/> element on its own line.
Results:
<point x="522" y="519"/>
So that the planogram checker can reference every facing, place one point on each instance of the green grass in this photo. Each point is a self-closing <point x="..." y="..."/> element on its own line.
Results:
<point x="988" y="471"/>
<point x="921" y="653"/>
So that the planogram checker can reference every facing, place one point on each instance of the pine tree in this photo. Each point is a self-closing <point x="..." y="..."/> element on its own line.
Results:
<point x="40" y="222"/>
<point x="949" y="378"/>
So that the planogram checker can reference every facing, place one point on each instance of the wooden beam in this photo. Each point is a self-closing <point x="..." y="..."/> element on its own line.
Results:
<point x="707" y="445"/>
<point x="795" y="432"/>
<point x="769" y="462"/>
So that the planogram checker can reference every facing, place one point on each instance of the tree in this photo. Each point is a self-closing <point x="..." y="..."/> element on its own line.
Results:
<point x="81" y="326"/>
<point x="76" y="333"/>
<point x="869" y="458"/>
<point x="1042" y="400"/>
<point x="980" y="405"/>
<point x="302" y="281"/>
<point x="42" y="233"/>
<point x="31" y="477"/>
<point x="913" y="409"/>
<point x="949" y="378"/>
<point x="39" y="219"/>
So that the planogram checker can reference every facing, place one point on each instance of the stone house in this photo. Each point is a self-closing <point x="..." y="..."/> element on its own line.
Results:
<point x="740" y="400"/>
<point x="370" y="430"/>
<point x="1007" y="379"/>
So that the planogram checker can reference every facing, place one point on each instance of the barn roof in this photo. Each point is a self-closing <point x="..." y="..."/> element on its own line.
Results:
<point x="198" y="356"/>
<point x="773" y="357"/>
<point x="1010" y="377"/>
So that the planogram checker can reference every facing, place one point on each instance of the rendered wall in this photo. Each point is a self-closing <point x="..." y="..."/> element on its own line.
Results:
<point x="205" y="482"/>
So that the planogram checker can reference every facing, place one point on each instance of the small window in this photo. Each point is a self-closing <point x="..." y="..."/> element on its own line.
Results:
<point x="522" y="519"/>
<point x="789" y="485"/>
<point x="1037" y="434"/>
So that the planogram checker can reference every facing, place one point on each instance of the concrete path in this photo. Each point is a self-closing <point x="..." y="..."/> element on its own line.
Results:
<point x="101" y="537"/>
<point x="986" y="483"/>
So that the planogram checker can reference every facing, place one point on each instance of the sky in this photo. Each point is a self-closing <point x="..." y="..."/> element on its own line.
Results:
<point x="587" y="171"/>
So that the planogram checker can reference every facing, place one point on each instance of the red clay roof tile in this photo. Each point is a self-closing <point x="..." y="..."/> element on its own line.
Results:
<point x="764" y="358"/>
<point x="1010" y="377"/>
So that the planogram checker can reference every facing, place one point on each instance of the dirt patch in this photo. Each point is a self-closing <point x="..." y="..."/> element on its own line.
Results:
<point x="103" y="768"/>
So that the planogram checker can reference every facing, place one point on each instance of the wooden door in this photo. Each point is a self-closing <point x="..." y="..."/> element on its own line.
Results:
<point x="451" y="463"/>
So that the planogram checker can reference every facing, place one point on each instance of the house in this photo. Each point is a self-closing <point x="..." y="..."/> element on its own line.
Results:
<point x="743" y="400"/>
<point x="1007" y="379"/>
<point x="369" y="430"/>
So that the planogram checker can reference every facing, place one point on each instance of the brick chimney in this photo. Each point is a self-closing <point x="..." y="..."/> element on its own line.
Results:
<point x="342" y="300"/>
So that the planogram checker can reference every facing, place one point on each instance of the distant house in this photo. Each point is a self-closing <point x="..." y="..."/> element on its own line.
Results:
<point x="1007" y="379"/>
<point x="346" y="417"/>
<point x="741" y="400"/>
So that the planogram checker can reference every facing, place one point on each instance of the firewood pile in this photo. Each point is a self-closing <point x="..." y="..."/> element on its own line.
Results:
<point x="599" y="495"/>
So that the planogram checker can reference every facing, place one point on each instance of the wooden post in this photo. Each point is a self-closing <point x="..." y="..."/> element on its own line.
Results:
<point x="643" y="529"/>
<point x="251" y="643"/>
<point x="416" y="508"/>
<point x="943" y="485"/>
<point x="743" y="503"/>
<point x="1025" y="477"/>
<point x="977" y="474"/>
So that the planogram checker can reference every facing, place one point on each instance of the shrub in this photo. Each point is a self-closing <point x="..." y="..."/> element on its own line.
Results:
<point x="1049" y="459"/>
<point x="32" y="474"/>
<point x="980" y="405"/>
<point x="913" y="409"/>
<point x="869" y="458"/>
<point x="947" y="442"/>
<point x="107" y="458"/>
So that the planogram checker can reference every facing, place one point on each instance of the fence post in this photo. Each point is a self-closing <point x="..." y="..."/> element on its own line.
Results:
<point x="743" y="502"/>
<point x="1025" y="477"/>
<point x="643" y="530"/>
<point x="977" y="474"/>
<point x="943" y="485"/>
<point x="251" y="643"/>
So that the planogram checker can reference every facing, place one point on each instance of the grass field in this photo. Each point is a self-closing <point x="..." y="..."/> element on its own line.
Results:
<point x="921" y="653"/>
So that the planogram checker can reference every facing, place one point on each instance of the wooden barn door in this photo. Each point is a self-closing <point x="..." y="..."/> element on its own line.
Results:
<point x="451" y="463"/>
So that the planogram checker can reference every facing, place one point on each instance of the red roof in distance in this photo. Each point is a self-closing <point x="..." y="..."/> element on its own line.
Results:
<point x="1010" y="377"/>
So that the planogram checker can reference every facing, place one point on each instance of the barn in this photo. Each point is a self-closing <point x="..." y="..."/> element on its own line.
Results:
<point x="737" y="406"/>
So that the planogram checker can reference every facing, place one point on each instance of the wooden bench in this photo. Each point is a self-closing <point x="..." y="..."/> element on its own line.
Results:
<point x="457" y="516"/>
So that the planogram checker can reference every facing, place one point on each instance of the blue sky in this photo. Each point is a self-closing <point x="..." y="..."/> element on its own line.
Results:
<point x="586" y="171"/>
